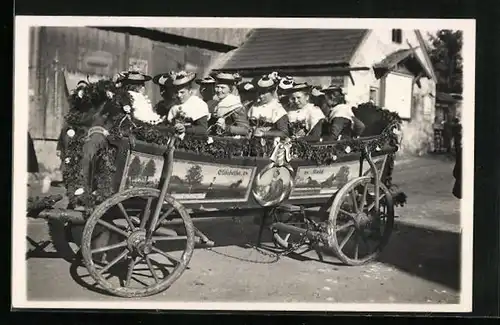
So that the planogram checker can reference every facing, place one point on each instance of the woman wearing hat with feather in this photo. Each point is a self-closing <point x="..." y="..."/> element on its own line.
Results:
<point x="305" y="118"/>
<point x="189" y="113"/>
<point x="229" y="115"/>
<point x="267" y="115"/>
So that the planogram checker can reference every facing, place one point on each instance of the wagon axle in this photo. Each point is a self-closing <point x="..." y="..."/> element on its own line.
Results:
<point x="137" y="243"/>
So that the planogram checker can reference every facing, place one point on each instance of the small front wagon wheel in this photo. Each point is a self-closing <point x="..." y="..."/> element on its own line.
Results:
<point x="357" y="233"/>
<point x="132" y="265"/>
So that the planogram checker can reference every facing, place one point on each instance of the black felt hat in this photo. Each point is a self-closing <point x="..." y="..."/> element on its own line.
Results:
<point x="266" y="83"/>
<point x="135" y="77"/>
<point x="246" y="87"/>
<point x="226" y="78"/>
<point x="209" y="80"/>
<point x="162" y="79"/>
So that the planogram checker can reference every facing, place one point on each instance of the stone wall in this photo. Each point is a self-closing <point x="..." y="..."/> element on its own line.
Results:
<point x="418" y="132"/>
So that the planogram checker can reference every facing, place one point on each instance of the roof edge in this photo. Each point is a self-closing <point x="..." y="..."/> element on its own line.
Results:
<point x="160" y="36"/>
<point x="424" y="47"/>
<point x="316" y="65"/>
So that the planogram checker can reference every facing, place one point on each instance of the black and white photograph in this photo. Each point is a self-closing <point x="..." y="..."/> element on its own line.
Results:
<point x="275" y="164"/>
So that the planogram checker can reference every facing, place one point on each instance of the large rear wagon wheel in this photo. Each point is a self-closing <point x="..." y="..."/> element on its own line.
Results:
<point x="356" y="232"/>
<point x="116" y="265"/>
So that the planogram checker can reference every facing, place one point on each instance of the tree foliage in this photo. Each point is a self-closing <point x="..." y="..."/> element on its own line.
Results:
<point x="150" y="169"/>
<point x="135" y="167"/>
<point x="446" y="57"/>
<point x="194" y="175"/>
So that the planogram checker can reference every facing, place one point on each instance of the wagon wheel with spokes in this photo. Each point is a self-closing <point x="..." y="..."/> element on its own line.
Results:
<point x="116" y="265"/>
<point x="356" y="232"/>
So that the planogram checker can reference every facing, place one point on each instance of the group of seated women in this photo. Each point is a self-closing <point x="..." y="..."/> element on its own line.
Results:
<point x="268" y="105"/>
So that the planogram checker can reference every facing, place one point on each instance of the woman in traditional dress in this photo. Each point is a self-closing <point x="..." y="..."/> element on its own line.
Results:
<point x="341" y="118"/>
<point x="305" y="118"/>
<point x="267" y="115"/>
<point x="167" y="100"/>
<point x="285" y="84"/>
<point x="207" y="91"/>
<point x="229" y="115"/>
<point x="190" y="113"/>
<point x="141" y="108"/>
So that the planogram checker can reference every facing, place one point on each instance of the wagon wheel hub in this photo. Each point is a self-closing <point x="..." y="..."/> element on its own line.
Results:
<point x="362" y="220"/>
<point x="136" y="242"/>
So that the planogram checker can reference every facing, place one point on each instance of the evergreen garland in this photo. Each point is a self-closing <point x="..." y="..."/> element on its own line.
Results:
<point x="105" y="94"/>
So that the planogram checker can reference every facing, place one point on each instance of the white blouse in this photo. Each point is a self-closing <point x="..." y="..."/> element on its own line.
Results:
<point x="271" y="112"/>
<point x="310" y="115"/>
<point x="194" y="108"/>
<point x="342" y="110"/>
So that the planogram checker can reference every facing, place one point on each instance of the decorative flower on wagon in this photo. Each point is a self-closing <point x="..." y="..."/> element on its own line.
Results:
<point x="297" y="128"/>
<point x="70" y="133"/>
<point x="79" y="191"/>
<point x="258" y="121"/>
<point x="180" y="117"/>
<point x="127" y="109"/>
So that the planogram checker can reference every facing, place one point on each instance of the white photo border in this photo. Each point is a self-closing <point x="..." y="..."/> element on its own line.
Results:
<point x="20" y="128"/>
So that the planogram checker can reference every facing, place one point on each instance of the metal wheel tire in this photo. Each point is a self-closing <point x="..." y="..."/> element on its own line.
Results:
<point x="353" y="187"/>
<point x="97" y="219"/>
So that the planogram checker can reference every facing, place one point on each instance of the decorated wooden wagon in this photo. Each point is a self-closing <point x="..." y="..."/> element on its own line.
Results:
<point x="147" y="188"/>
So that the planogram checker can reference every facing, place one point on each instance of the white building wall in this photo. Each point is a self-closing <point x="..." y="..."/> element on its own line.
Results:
<point x="417" y="132"/>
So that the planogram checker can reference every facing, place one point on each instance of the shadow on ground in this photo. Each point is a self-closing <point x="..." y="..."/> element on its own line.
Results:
<point x="432" y="255"/>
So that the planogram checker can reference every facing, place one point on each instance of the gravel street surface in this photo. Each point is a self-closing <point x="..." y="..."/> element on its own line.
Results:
<point x="421" y="263"/>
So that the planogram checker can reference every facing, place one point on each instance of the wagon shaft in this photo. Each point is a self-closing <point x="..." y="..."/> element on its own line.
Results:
<point x="64" y="215"/>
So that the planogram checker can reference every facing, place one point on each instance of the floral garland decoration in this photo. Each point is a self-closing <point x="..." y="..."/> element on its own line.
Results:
<point x="84" y="102"/>
<point x="117" y="103"/>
